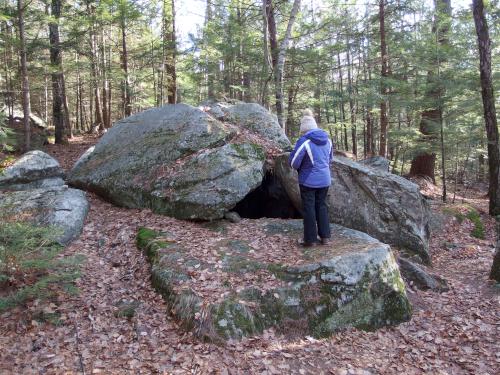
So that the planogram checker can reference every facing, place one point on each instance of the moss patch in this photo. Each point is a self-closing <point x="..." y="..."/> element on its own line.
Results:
<point x="478" y="230"/>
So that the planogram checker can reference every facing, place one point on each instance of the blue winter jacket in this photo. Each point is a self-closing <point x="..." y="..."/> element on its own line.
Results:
<point x="312" y="156"/>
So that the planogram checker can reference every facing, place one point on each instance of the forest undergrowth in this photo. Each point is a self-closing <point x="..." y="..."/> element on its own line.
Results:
<point x="118" y="324"/>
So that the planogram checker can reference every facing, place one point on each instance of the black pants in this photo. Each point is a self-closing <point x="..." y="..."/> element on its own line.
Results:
<point x="315" y="213"/>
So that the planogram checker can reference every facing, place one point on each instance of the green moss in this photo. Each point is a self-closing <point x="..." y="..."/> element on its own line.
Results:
<point x="245" y="150"/>
<point x="478" y="230"/>
<point x="454" y="212"/>
<point x="151" y="242"/>
<point x="239" y="245"/>
<point x="396" y="309"/>
<point x="145" y="236"/>
<point x="233" y="319"/>
<point x="278" y="270"/>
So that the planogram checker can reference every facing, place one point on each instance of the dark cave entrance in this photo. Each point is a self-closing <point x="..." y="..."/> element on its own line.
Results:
<point x="268" y="200"/>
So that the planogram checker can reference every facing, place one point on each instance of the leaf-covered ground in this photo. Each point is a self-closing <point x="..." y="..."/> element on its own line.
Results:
<point x="456" y="332"/>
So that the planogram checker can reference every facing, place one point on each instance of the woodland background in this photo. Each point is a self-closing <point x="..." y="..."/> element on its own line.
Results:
<point x="90" y="63"/>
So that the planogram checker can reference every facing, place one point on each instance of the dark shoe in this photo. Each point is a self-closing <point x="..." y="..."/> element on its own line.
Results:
<point x="325" y="241"/>
<point x="305" y="244"/>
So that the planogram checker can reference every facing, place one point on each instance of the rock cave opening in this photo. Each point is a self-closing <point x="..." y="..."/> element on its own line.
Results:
<point x="268" y="200"/>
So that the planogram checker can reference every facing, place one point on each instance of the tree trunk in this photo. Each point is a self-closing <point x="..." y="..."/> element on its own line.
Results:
<point x="424" y="163"/>
<point x="105" y="84"/>
<point x="383" y="82"/>
<point x="24" y="76"/>
<point x="126" y="105"/>
<point x="352" y="108"/>
<point x="487" y="92"/>
<point x="58" y="99"/>
<point x="280" y="54"/>
<point x="209" y="65"/>
<point x="267" y="64"/>
<point x="170" y="51"/>
<point x="342" y="109"/>
<point x="273" y="37"/>
<point x="290" y="108"/>
<point x="94" y="58"/>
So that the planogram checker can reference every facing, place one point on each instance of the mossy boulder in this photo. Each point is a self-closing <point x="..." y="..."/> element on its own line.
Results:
<point x="353" y="282"/>
<point x="177" y="160"/>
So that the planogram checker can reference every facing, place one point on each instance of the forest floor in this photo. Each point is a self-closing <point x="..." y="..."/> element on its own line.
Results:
<point x="456" y="332"/>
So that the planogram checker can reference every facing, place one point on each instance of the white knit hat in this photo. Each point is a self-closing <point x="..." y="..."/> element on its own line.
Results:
<point x="308" y="122"/>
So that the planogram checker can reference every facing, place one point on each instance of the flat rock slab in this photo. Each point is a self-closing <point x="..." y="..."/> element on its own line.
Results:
<point x="239" y="287"/>
<point x="57" y="206"/>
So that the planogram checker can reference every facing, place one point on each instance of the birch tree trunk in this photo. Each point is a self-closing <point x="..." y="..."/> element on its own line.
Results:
<point x="279" y="54"/>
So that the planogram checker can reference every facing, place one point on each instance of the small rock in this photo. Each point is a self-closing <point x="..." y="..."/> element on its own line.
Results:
<point x="420" y="277"/>
<point x="126" y="309"/>
<point x="232" y="216"/>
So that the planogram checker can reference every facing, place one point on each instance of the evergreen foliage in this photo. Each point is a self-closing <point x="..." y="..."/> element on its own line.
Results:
<point x="478" y="230"/>
<point x="30" y="266"/>
<point x="332" y="66"/>
<point x="7" y="139"/>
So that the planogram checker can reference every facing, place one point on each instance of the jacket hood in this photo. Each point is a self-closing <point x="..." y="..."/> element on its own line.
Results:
<point x="317" y="136"/>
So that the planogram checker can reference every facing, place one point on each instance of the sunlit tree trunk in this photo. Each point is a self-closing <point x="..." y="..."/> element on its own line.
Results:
<point x="126" y="104"/>
<point x="24" y="76"/>
<point x="279" y="54"/>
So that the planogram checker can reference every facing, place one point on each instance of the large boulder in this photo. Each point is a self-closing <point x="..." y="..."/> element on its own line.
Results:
<point x="386" y="206"/>
<point x="177" y="160"/>
<point x="32" y="189"/>
<point x="353" y="282"/>
<point x="34" y="169"/>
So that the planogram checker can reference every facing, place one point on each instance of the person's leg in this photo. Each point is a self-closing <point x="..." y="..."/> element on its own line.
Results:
<point x="308" y="198"/>
<point x="321" y="209"/>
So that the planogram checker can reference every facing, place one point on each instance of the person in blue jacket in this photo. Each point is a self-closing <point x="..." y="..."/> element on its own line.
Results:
<point x="311" y="157"/>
